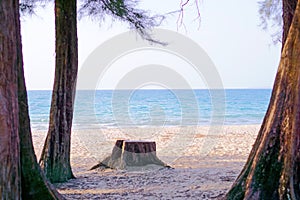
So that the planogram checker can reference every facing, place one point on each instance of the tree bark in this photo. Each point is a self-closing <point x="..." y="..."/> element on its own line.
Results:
<point x="34" y="183"/>
<point x="131" y="154"/>
<point x="273" y="167"/>
<point x="55" y="158"/>
<point x="10" y="173"/>
<point x="288" y="10"/>
<point x="21" y="176"/>
<point x="139" y="153"/>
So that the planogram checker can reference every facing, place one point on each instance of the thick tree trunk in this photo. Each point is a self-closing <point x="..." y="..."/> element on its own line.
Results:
<point x="131" y="154"/>
<point x="55" y="158"/>
<point x="25" y="181"/>
<point x="10" y="173"/>
<point x="273" y="167"/>
<point x="139" y="153"/>
<point x="10" y="177"/>
<point x="34" y="183"/>
<point x="288" y="10"/>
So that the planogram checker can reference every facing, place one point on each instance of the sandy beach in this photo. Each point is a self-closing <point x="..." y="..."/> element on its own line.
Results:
<point x="206" y="161"/>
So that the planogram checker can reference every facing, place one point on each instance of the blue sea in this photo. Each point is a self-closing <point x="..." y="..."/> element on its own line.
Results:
<point x="143" y="108"/>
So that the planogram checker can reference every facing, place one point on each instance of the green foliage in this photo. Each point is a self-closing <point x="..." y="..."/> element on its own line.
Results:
<point x="120" y="10"/>
<point x="27" y="7"/>
<point x="124" y="11"/>
<point x="270" y="12"/>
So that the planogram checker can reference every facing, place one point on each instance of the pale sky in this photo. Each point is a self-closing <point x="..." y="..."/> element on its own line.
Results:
<point x="242" y="52"/>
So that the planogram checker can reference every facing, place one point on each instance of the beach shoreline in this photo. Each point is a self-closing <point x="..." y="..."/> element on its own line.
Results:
<point x="206" y="161"/>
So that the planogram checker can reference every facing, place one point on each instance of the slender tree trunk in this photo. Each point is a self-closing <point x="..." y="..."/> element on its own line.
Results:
<point x="10" y="173"/>
<point x="55" y="159"/>
<point x="273" y="167"/>
<point x="34" y="183"/>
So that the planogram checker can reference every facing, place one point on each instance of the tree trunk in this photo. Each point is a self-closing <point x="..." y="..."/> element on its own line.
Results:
<point x="10" y="173"/>
<point x="273" y="167"/>
<point x="288" y="8"/>
<point x="55" y="159"/>
<point x="131" y="154"/>
<point x="34" y="183"/>
<point x="21" y="176"/>
<point x="139" y="153"/>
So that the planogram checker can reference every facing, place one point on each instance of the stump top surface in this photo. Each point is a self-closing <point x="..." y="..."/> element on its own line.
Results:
<point x="138" y="141"/>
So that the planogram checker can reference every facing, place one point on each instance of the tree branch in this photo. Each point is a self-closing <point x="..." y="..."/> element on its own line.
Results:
<point x="183" y="4"/>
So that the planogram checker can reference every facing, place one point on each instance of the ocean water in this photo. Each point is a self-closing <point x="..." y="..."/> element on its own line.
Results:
<point x="142" y="108"/>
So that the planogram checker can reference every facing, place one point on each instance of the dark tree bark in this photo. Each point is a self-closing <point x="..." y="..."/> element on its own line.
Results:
<point x="34" y="183"/>
<point x="10" y="173"/>
<point x="21" y="175"/>
<point x="288" y="8"/>
<point x="131" y="154"/>
<point x="55" y="158"/>
<point x="272" y="170"/>
<point x="139" y="153"/>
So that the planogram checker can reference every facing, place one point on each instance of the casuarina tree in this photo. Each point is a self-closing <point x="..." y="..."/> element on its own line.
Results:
<point x="272" y="170"/>
<point x="55" y="158"/>
<point x="21" y="176"/>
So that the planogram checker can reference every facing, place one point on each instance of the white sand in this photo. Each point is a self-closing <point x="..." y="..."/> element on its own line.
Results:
<point x="206" y="161"/>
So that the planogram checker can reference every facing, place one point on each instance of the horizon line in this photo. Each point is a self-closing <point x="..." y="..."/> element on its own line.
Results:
<point x="103" y="89"/>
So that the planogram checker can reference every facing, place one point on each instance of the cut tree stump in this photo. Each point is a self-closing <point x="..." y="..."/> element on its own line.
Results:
<point x="126" y="154"/>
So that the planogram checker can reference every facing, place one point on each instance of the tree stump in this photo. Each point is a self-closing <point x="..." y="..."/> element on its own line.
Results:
<point x="126" y="154"/>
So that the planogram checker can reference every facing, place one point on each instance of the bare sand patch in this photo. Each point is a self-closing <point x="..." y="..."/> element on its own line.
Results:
<point x="206" y="161"/>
